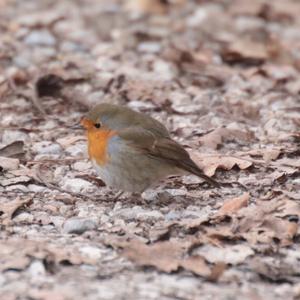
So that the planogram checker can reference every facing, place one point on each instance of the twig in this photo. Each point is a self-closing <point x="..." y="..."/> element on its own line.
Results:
<point x="55" y="160"/>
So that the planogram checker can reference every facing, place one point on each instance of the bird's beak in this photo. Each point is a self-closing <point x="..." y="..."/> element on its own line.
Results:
<point x="86" y="123"/>
<point x="76" y="127"/>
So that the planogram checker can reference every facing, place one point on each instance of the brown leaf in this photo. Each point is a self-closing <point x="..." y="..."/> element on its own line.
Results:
<point x="281" y="229"/>
<point x="287" y="208"/>
<point x="197" y="265"/>
<point x="217" y="271"/>
<point x="253" y="215"/>
<point x="271" y="154"/>
<point x="14" y="180"/>
<point x="41" y="19"/>
<point x="273" y="268"/>
<point x="261" y="223"/>
<point x="209" y="164"/>
<point x="12" y="256"/>
<point x="219" y="233"/>
<point x="7" y="163"/>
<point x="18" y="253"/>
<point x="278" y="11"/>
<point x="231" y="206"/>
<point x="47" y="294"/>
<point x="245" y="7"/>
<point x="289" y="162"/>
<point x="13" y="150"/>
<point x="165" y="256"/>
<point x="15" y="263"/>
<point x="220" y="135"/>
<point x="147" y="6"/>
<point x="9" y="208"/>
<point x="4" y="87"/>
<point x="245" y="51"/>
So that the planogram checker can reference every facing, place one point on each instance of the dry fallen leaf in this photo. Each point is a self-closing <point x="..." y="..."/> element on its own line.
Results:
<point x="245" y="51"/>
<point x="13" y="150"/>
<point x="147" y="6"/>
<point x="271" y="154"/>
<point x="48" y="294"/>
<point x="9" y="208"/>
<point x="176" y="64"/>
<point x="217" y="271"/>
<point x="231" y="206"/>
<point x="10" y="259"/>
<point x="45" y="18"/>
<point x="262" y="223"/>
<point x="18" y="253"/>
<point x="244" y="7"/>
<point x="273" y="268"/>
<point x="220" y="135"/>
<point x="165" y="256"/>
<point x="4" y="87"/>
<point x="287" y="208"/>
<point x="197" y="265"/>
<point x="288" y="162"/>
<point x="7" y="163"/>
<point x="209" y="164"/>
<point x="280" y="229"/>
<point x="14" y="180"/>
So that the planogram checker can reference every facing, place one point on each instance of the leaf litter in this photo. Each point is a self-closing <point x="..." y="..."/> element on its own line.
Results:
<point x="223" y="78"/>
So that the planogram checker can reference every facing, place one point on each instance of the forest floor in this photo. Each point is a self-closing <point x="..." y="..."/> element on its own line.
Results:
<point x="224" y="77"/>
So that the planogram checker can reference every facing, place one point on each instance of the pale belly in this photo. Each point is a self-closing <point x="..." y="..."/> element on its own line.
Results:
<point x="134" y="173"/>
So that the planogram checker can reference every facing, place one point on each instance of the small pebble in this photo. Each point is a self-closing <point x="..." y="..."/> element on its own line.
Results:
<point x="172" y="215"/>
<point x="46" y="147"/>
<point x="155" y="195"/>
<point x="24" y="217"/>
<point x="36" y="269"/>
<point x="58" y="221"/>
<point x="150" y="215"/>
<point x="17" y="187"/>
<point x="91" y="252"/>
<point x="82" y="166"/>
<point x="78" y="225"/>
<point x="40" y="37"/>
<point x="77" y="150"/>
<point x="10" y="136"/>
<point x="149" y="47"/>
<point x="127" y="213"/>
<point x="36" y="188"/>
<point x="77" y="185"/>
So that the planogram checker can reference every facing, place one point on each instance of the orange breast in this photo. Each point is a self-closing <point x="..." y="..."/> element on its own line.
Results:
<point x="97" y="144"/>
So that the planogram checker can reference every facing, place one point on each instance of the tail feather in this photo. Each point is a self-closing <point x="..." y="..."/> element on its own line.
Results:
<point x="194" y="169"/>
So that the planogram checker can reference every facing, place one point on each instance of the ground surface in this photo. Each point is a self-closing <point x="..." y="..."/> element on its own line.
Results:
<point x="224" y="78"/>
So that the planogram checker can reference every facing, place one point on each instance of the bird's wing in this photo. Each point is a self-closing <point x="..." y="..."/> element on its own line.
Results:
<point x="162" y="148"/>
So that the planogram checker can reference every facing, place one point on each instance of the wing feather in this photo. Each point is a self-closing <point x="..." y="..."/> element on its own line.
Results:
<point x="162" y="148"/>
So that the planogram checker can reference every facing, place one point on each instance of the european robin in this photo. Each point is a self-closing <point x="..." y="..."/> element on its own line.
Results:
<point x="131" y="151"/>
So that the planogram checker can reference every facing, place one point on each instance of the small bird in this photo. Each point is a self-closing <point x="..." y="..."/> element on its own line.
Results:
<point x="131" y="151"/>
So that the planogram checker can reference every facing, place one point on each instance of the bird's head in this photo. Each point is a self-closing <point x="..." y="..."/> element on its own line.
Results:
<point x="109" y="117"/>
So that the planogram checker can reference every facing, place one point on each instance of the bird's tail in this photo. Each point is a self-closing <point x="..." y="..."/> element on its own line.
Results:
<point x="194" y="169"/>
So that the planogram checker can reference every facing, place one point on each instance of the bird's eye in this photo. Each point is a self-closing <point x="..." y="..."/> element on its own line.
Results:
<point x="97" y="125"/>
